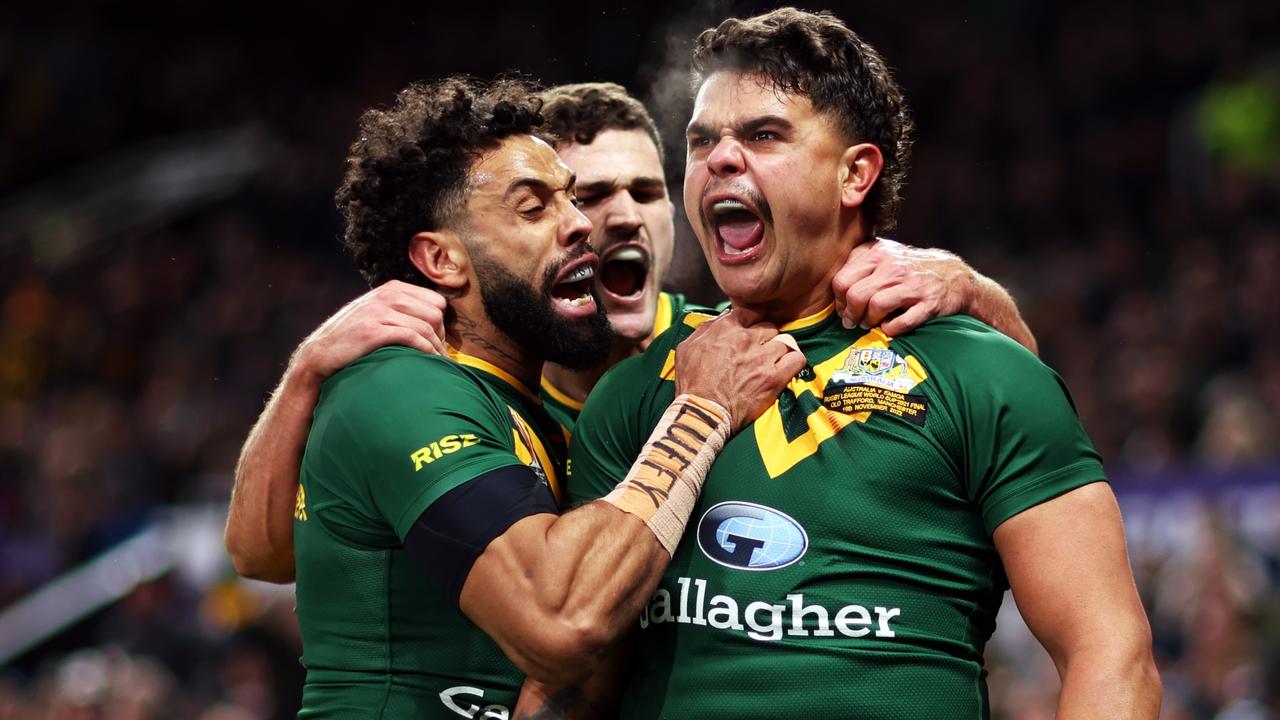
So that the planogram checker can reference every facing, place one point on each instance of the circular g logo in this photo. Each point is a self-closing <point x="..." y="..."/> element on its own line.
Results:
<point x="751" y="537"/>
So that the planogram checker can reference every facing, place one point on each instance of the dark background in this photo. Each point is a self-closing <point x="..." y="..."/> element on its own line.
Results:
<point x="167" y="236"/>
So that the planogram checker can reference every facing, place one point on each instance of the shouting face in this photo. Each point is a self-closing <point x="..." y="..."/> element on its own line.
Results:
<point x="621" y="188"/>
<point x="766" y="192"/>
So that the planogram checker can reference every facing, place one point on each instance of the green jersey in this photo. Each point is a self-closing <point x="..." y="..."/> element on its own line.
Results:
<point x="563" y="408"/>
<point x="391" y="434"/>
<point x="839" y="563"/>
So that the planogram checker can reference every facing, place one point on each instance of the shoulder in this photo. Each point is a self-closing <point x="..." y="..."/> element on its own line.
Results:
<point x="963" y="343"/>
<point x="393" y="377"/>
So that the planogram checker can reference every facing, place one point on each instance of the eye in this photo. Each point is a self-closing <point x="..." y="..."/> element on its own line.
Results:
<point x="645" y="196"/>
<point x="699" y="142"/>
<point x="764" y="135"/>
<point x="587" y="200"/>
<point x="530" y="209"/>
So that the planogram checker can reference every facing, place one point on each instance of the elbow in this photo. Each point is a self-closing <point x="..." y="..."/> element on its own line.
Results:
<point x="1146" y="679"/>
<point x="256" y="562"/>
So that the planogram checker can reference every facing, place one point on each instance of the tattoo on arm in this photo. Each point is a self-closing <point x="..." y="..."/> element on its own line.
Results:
<point x="557" y="706"/>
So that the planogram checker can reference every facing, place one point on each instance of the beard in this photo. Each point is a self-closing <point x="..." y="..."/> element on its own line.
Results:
<point x="525" y="314"/>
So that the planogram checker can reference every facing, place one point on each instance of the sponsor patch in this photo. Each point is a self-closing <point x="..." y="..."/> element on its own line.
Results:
<point x="748" y="536"/>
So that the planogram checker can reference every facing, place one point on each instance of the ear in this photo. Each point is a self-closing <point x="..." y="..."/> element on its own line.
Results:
<point x="442" y="258"/>
<point x="859" y="167"/>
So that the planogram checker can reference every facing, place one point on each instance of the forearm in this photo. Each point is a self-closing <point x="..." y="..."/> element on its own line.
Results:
<point x="580" y="581"/>
<point x="590" y="571"/>
<point x="993" y="305"/>
<point x="259" y="532"/>
<point x="1110" y="684"/>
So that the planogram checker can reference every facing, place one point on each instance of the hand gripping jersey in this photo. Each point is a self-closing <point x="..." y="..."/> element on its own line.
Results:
<point x="392" y="433"/>
<point x="564" y="409"/>
<point x="839" y="563"/>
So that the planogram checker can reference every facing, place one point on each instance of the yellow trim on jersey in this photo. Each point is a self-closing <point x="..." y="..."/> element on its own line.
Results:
<point x="559" y="395"/>
<point x="663" y="316"/>
<point x="532" y="452"/>
<point x="472" y="361"/>
<point x="809" y="320"/>
<point x="693" y="320"/>
<point x="780" y="454"/>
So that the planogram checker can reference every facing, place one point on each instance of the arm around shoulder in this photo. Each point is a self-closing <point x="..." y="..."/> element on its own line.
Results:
<point x="259" y="531"/>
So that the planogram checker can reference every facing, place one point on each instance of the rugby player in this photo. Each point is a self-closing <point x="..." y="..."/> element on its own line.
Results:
<point x="434" y="571"/>
<point x="611" y="142"/>
<point x="850" y="549"/>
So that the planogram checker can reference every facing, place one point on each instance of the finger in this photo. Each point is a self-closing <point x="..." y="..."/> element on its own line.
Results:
<point x="787" y="340"/>
<point x="421" y="328"/>
<point x="418" y="305"/>
<point x="914" y="317"/>
<point x="425" y="295"/>
<point x="790" y="364"/>
<point x="860" y="264"/>
<point x="409" y="338"/>
<point x="883" y="303"/>
<point x="859" y="295"/>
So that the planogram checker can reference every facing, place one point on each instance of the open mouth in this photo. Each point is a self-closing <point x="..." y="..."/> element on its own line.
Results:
<point x="624" y="270"/>
<point x="738" y="228"/>
<point x="572" y="292"/>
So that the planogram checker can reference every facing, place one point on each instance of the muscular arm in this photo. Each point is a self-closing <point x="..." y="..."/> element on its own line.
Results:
<point x="883" y="277"/>
<point x="554" y="592"/>
<point x="259" y="532"/>
<point x="1070" y="575"/>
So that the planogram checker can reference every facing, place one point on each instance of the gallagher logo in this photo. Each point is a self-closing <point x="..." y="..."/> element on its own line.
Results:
<point x="751" y="537"/>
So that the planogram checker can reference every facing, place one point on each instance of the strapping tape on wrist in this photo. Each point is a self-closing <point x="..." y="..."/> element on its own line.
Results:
<point x="664" y="482"/>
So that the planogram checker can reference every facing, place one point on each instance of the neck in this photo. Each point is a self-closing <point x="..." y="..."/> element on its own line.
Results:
<point x="781" y="312"/>
<point x="479" y="338"/>
<point x="815" y="293"/>
<point x="577" y="384"/>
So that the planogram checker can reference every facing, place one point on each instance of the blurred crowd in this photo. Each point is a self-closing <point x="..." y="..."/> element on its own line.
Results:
<point x="1116" y="166"/>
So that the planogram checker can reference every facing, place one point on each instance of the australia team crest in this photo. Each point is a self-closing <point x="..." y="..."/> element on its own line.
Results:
<point x="877" y="367"/>
<point x="877" y="379"/>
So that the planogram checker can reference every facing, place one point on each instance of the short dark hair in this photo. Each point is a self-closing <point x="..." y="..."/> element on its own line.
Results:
<point x="818" y="56"/>
<point x="577" y="113"/>
<point x="407" y="169"/>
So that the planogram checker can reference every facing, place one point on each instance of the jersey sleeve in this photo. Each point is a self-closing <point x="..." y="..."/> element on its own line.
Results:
<point x="407" y="428"/>
<point x="1023" y="441"/>
<point x="610" y="432"/>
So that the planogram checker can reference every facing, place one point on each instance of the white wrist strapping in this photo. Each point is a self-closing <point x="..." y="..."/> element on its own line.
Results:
<point x="665" y="480"/>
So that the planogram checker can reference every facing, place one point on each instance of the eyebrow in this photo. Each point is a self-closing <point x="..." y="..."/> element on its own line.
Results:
<point x="745" y="128"/>
<point x="605" y="186"/>
<point x="539" y="184"/>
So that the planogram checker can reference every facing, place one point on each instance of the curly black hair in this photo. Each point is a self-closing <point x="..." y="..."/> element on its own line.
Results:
<point x="577" y="113"/>
<point x="816" y="55"/>
<point x="407" y="169"/>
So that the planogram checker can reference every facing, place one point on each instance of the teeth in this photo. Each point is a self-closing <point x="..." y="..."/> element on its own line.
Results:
<point x="730" y="250"/>
<point x="630" y="254"/>
<point x="580" y="300"/>
<point x="721" y="207"/>
<point x="586" y="272"/>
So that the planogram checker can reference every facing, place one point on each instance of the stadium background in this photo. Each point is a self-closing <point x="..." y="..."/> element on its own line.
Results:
<point x="167" y="236"/>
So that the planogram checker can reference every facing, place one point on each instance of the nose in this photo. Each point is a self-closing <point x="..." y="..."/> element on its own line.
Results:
<point x="726" y="157"/>
<point x="623" y="216"/>
<point x="575" y="228"/>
